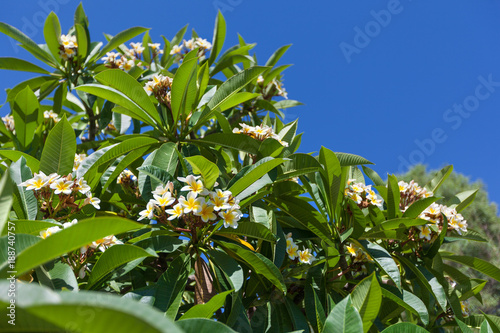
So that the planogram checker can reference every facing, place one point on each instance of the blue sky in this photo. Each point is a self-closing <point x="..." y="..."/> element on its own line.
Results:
<point x="397" y="82"/>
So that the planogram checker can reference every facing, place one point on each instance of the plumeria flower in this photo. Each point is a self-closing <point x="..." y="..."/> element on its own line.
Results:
<point x="160" y="190"/>
<point x="127" y="65"/>
<point x="358" y="188"/>
<point x="82" y="187"/>
<point x="62" y="186"/>
<point x="163" y="200"/>
<point x="206" y="213"/>
<point x="69" y="224"/>
<point x="231" y="218"/>
<point x="292" y="251"/>
<point x="37" y="182"/>
<point x="219" y="203"/>
<point x="50" y="231"/>
<point x="260" y="79"/>
<point x="53" y="177"/>
<point x="104" y="243"/>
<point x="93" y="201"/>
<point x="110" y="57"/>
<point x="464" y="305"/>
<point x="176" y="49"/>
<point x="191" y="203"/>
<point x="49" y="114"/>
<point x="149" y="212"/>
<point x="137" y="47"/>
<point x="78" y="161"/>
<point x="306" y="256"/>
<point x="433" y="209"/>
<point x="425" y="232"/>
<point x="193" y="185"/>
<point x="176" y="212"/>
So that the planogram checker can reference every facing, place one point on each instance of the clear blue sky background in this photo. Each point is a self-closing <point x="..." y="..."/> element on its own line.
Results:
<point x="397" y="82"/>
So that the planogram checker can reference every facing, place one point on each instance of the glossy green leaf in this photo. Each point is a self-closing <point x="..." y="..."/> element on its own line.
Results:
<point x="344" y="318"/>
<point x="171" y="286"/>
<point x="463" y="199"/>
<point x="58" y="154"/>
<point x="314" y="309"/>
<point x="26" y="116"/>
<point x="375" y="178"/>
<point x="60" y="311"/>
<point x="57" y="276"/>
<point x="479" y="265"/>
<point x="218" y="39"/>
<point x="112" y="258"/>
<point x="197" y="325"/>
<point x="418" y="207"/>
<point x="5" y="199"/>
<point x="208" y="170"/>
<point x="81" y="234"/>
<point x="405" y="328"/>
<point x="367" y="298"/>
<point x="250" y="229"/>
<point x="82" y="40"/>
<point x="15" y="64"/>
<point x="25" y="204"/>
<point x="393" y="197"/>
<point x="346" y="159"/>
<point x="229" y="266"/>
<point x="259" y="264"/>
<point x="207" y="310"/>
<point x="124" y="163"/>
<point x="384" y="260"/>
<point x="408" y="301"/>
<point x="119" y="39"/>
<point x="32" y="227"/>
<point x="273" y="59"/>
<point x="440" y="177"/>
<point x="184" y="90"/>
<point x="240" y="142"/>
<point x="52" y="33"/>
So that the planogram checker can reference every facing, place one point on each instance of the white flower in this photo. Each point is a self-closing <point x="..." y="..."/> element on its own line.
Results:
<point x="69" y="224"/>
<point x="292" y="251"/>
<point x="104" y="243"/>
<point x="218" y="202"/>
<point x="78" y="161"/>
<point x="425" y="232"/>
<point x="37" y="182"/>
<point x="191" y="203"/>
<point x="163" y="200"/>
<point x="206" y="213"/>
<point x="49" y="114"/>
<point x="149" y="212"/>
<point x="231" y="218"/>
<point x="94" y="201"/>
<point x="306" y="256"/>
<point x="81" y="186"/>
<point x="61" y="186"/>
<point x="193" y="185"/>
<point x="176" y="49"/>
<point x="176" y="212"/>
<point x="50" y="231"/>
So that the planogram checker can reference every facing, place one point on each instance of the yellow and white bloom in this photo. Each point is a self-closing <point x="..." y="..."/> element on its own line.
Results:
<point x="149" y="212"/>
<point x="81" y="186"/>
<point x="292" y="251"/>
<point x="9" y="123"/>
<point x="218" y="202"/>
<point x="231" y="218"/>
<point x="93" y="201"/>
<point x="163" y="200"/>
<point x="206" y="213"/>
<point x="425" y="232"/>
<point x="49" y="114"/>
<point x="176" y="49"/>
<point x="193" y="185"/>
<point x="105" y="243"/>
<point x="69" y="224"/>
<point x="78" y="161"/>
<point x="191" y="203"/>
<point x="306" y="256"/>
<point x="36" y="183"/>
<point x="61" y="186"/>
<point x="176" y="212"/>
<point x="50" y="231"/>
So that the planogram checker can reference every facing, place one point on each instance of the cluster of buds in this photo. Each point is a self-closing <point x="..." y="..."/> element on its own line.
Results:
<point x="160" y="86"/>
<point x="434" y="214"/>
<point x="9" y="123"/>
<point x="68" y="46"/>
<point x="65" y="187"/>
<point x="261" y="132"/>
<point x="49" y="114"/>
<point x="411" y="192"/>
<point x="197" y="209"/>
<point x="273" y="88"/>
<point x="362" y="194"/>
<point x="116" y="60"/>
<point x="304" y="256"/>
<point x="186" y="46"/>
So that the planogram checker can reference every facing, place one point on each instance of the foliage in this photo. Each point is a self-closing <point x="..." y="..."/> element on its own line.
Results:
<point x="166" y="177"/>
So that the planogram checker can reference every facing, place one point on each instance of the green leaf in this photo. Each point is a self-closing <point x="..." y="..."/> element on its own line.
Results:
<point x="60" y="311"/>
<point x="207" y="310"/>
<point x="384" y="260"/>
<point x="259" y="264"/>
<point x="408" y="301"/>
<point x="250" y="229"/>
<point x="81" y="234"/>
<point x="15" y="64"/>
<point x="346" y="159"/>
<point x="463" y="199"/>
<point x="58" y="154"/>
<point x="124" y="163"/>
<point x="15" y="155"/>
<point x="479" y="265"/>
<point x="208" y="170"/>
<point x="233" y="85"/>
<point x="82" y="40"/>
<point x="396" y="223"/>
<point x="240" y="142"/>
<point x="299" y="164"/>
<point x="218" y="39"/>
<point x="314" y="310"/>
<point x="463" y="327"/>
<point x="344" y="318"/>
<point x="367" y="298"/>
<point x="197" y="325"/>
<point x="22" y="242"/>
<point x="393" y="197"/>
<point x="375" y="178"/>
<point x="405" y="327"/>
<point x="112" y="258"/>
<point x="5" y="199"/>
<point x="31" y="227"/>
<point x="229" y="266"/>
<point x="493" y="326"/>
<point x="52" y="33"/>
<point x="27" y="43"/>
<point x="419" y="206"/>
<point x="332" y="177"/>
<point x="171" y="286"/>
<point x="127" y="85"/>
<point x="26" y="116"/>
<point x="248" y="179"/>
<point x="184" y="90"/>
<point x="237" y="99"/>
<point x="161" y="243"/>
<point x="119" y="39"/>
<point x="57" y="276"/>
<point x="273" y="59"/>
<point x="440" y="177"/>
<point x="28" y="206"/>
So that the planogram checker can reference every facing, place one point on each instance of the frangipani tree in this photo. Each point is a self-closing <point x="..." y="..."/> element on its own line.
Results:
<point x="157" y="188"/>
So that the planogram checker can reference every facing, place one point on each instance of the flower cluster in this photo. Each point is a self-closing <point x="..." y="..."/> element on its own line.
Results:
<point x="196" y="209"/>
<point x="116" y="60"/>
<point x="274" y="88"/>
<point x="362" y="194"/>
<point x="65" y="187"/>
<point x="126" y="177"/>
<point x="68" y="46"/>
<point x="78" y="161"/>
<point x="411" y="192"/>
<point x="49" y="114"/>
<point x="305" y="256"/>
<point x="160" y="86"/>
<point x="357" y="253"/>
<point x="261" y="132"/>
<point x="434" y="214"/>
<point x="194" y="43"/>
<point x="9" y="123"/>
